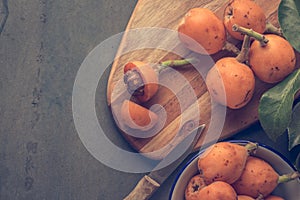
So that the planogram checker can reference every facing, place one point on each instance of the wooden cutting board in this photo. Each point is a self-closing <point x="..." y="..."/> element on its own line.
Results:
<point x="177" y="109"/>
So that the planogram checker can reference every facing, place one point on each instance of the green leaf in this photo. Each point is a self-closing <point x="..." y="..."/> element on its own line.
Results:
<point x="275" y="107"/>
<point x="294" y="128"/>
<point x="289" y="20"/>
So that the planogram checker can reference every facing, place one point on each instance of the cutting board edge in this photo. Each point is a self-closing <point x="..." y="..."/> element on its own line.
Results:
<point x="119" y="51"/>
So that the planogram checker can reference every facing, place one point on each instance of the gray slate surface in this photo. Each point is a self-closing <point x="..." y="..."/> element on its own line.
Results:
<point x="41" y="49"/>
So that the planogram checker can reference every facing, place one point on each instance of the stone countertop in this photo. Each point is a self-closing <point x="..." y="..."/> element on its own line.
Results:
<point x="42" y="47"/>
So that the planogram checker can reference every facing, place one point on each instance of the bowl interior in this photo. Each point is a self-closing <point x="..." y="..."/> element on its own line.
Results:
<point x="289" y="191"/>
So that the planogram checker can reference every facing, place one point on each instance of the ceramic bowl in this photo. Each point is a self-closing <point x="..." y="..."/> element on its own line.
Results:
<point x="289" y="191"/>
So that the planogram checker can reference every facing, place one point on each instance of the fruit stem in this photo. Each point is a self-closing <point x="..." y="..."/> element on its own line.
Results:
<point x="173" y="63"/>
<point x="244" y="54"/>
<point x="270" y="28"/>
<point x="260" y="37"/>
<point x="231" y="47"/>
<point x="288" y="177"/>
<point x="251" y="147"/>
<point x="134" y="80"/>
<point x="260" y="197"/>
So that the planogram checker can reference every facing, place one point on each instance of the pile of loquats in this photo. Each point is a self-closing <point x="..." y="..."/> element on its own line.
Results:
<point x="231" y="171"/>
<point x="264" y="54"/>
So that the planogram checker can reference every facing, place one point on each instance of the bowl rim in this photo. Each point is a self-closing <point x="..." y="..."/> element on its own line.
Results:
<point x="232" y="141"/>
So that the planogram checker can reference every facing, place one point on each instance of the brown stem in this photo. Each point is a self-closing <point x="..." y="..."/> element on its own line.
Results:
<point x="260" y="37"/>
<point x="243" y="56"/>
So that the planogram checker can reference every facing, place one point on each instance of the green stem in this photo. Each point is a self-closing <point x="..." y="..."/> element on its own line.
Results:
<point x="251" y="147"/>
<point x="270" y="28"/>
<point x="174" y="63"/>
<point x="231" y="47"/>
<point x="244" y="54"/>
<point x="260" y="37"/>
<point x="288" y="177"/>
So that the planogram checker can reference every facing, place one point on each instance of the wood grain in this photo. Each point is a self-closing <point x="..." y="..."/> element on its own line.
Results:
<point x="182" y="95"/>
<point x="143" y="190"/>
